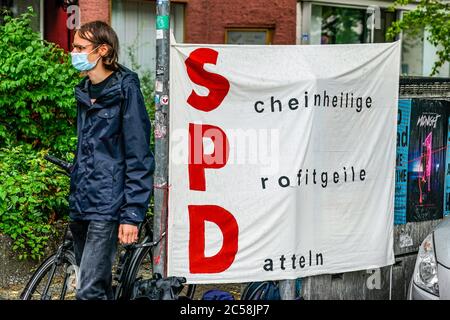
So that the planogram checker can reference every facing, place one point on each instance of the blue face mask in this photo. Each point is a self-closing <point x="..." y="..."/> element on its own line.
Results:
<point x="80" y="61"/>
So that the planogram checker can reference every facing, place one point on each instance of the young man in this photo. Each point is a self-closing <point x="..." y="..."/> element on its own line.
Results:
<point x="111" y="179"/>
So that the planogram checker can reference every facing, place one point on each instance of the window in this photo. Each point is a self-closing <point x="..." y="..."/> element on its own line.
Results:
<point x="419" y="56"/>
<point x="248" y="36"/>
<point x="339" y="25"/>
<point x="134" y="22"/>
<point x="16" y="7"/>
<point x="323" y="23"/>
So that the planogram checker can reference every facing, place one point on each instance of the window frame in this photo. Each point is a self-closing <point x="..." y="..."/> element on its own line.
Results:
<point x="306" y="13"/>
<point x="268" y="31"/>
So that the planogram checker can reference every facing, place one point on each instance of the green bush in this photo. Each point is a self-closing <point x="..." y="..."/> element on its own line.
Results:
<point x="37" y="116"/>
<point x="32" y="197"/>
<point x="37" y="103"/>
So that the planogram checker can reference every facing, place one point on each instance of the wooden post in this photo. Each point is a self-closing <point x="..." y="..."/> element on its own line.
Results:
<point x="287" y="289"/>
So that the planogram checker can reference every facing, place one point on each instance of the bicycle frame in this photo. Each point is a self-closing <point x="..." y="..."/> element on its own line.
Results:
<point x="67" y="245"/>
<point x="127" y="262"/>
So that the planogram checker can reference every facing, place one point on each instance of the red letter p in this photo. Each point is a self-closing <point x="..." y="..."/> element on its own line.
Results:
<point x="198" y="161"/>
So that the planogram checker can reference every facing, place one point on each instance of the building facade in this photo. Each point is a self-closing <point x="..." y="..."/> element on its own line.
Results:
<point x="280" y="22"/>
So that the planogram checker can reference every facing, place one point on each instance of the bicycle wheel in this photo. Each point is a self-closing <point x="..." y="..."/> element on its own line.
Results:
<point x="141" y="268"/>
<point x="53" y="280"/>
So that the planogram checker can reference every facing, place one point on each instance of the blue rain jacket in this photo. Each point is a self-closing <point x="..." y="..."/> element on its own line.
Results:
<point x="112" y="174"/>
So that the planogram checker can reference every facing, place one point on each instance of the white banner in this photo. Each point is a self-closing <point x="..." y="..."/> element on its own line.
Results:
<point x="282" y="160"/>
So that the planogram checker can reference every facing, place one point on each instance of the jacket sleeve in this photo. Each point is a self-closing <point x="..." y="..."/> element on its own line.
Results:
<point x="139" y="160"/>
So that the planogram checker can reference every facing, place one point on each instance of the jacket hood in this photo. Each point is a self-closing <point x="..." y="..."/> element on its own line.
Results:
<point x="82" y="89"/>
<point x="121" y="73"/>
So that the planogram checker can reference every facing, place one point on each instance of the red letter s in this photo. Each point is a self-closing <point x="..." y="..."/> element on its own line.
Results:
<point x="217" y="85"/>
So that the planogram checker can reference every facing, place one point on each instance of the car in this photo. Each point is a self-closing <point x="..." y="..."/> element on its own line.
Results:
<point x="431" y="276"/>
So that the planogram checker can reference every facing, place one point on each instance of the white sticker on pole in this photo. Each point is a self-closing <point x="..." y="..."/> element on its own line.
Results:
<point x="159" y="34"/>
<point x="159" y="86"/>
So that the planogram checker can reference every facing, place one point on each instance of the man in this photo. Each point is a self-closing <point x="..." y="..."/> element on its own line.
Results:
<point x="111" y="179"/>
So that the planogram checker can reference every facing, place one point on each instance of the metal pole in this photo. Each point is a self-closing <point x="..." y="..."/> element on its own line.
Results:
<point x="161" y="134"/>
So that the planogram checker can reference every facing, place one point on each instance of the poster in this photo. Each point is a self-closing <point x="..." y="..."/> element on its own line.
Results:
<point x="282" y="160"/>
<point x="427" y="161"/>
<point x="401" y="168"/>
<point x="447" y="172"/>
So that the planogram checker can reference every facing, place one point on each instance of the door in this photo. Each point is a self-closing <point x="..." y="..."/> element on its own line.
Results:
<point x="135" y="24"/>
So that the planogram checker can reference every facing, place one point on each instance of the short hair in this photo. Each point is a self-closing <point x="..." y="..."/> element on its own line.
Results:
<point x="99" y="32"/>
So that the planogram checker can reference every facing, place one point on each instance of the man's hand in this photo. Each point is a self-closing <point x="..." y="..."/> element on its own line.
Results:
<point x="128" y="233"/>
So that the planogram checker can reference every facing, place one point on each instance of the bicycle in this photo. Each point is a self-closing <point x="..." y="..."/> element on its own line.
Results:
<point x="57" y="276"/>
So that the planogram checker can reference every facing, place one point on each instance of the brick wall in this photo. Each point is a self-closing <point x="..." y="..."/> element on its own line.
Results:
<point x="207" y="20"/>
<point x="95" y="10"/>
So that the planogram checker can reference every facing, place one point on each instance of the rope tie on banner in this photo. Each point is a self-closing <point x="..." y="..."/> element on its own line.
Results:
<point x="164" y="212"/>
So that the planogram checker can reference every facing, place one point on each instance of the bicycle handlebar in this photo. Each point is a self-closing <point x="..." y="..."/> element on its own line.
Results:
<point x="67" y="167"/>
